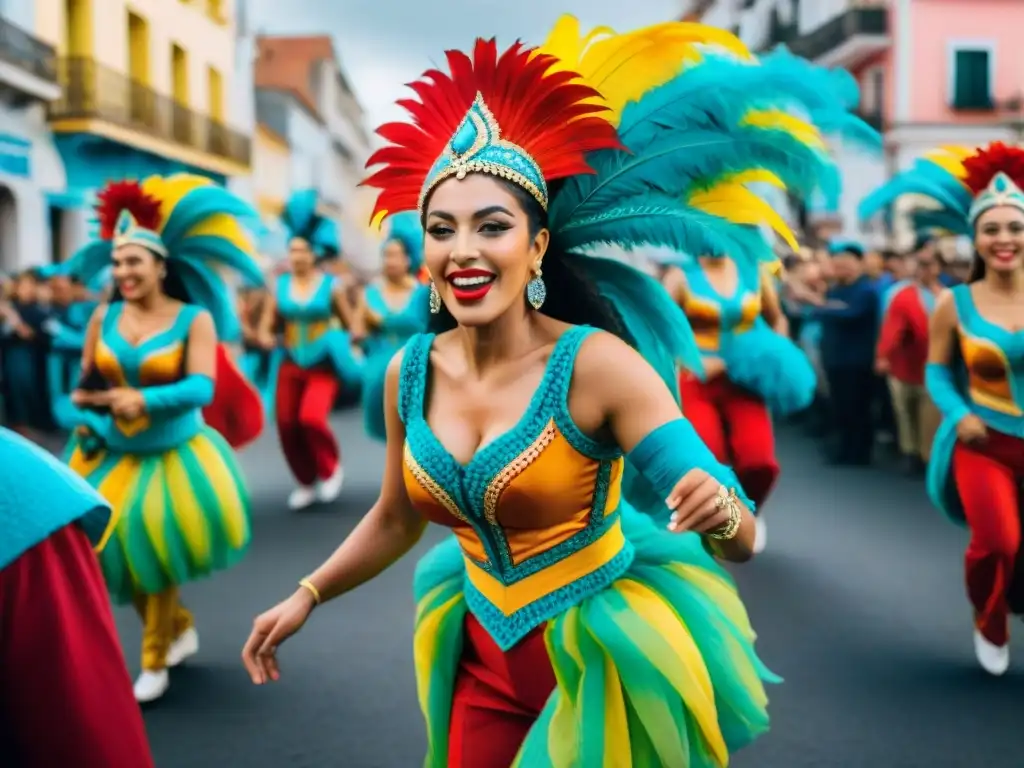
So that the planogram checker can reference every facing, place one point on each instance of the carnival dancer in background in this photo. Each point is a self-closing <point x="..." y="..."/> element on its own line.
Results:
<point x="319" y="358"/>
<point x="59" y="647"/>
<point x="751" y="368"/>
<point x="73" y="305"/>
<point x="393" y="308"/>
<point x="560" y="626"/>
<point x="181" y="508"/>
<point x="902" y="353"/>
<point x="976" y="377"/>
<point x="259" y="364"/>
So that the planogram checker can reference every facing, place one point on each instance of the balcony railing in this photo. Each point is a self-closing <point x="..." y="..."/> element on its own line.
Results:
<point x="870" y="20"/>
<point x="22" y="50"/>
<point x="93" y="91"/>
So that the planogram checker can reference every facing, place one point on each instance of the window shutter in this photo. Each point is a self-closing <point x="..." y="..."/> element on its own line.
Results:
<point x="971" y="86"/>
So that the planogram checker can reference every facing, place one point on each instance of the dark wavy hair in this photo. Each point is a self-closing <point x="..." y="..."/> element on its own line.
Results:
<point x="572" y="295"/>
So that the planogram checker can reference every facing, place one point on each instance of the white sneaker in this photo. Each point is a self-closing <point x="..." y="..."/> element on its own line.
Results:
<point x="151" y="685"/>
<point x="760" y="535"/>
<point x="328" y="490"/>
<point x="994" y="659"/>
<point x="185" y="646"/>
<point x="302" y="497"/>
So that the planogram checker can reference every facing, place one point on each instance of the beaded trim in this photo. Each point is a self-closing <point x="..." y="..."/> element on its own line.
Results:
<point x="431" y="486"/>
<point x="512" y="470"/>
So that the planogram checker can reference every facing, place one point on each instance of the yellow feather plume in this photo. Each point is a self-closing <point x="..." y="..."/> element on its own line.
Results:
<point x="777" y="119"/>
<point x="623" y="67"/>
<point x="732" y="201"/>
<point x="170" y="190"/>
<point x="950" y="159"/>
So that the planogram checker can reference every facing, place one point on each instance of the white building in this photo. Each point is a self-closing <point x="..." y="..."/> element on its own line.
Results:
<point x="31" y="172"/>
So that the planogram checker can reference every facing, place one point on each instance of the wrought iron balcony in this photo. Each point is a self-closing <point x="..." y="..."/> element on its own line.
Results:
<point x="870" y="21"/>
<point x="93" y="91"/>
<point x="35" y="62"/>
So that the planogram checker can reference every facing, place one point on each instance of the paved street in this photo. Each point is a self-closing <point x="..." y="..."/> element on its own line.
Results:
<point x="858" y="602"/>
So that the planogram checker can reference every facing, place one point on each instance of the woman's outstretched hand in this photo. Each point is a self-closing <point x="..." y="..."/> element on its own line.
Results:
<point x="269" y="630"/>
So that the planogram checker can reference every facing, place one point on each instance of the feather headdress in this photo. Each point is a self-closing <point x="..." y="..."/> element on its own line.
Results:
<point x="646" y="152"/>
<point x="199" y="227"/>
<point x="301" y="218"/>
<point x="954" y="186"/>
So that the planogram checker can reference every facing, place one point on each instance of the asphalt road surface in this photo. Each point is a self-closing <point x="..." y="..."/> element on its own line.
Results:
<point x="858" y="602"/>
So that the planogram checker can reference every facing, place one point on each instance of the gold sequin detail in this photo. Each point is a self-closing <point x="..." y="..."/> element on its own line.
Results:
<point x="432" y="487"/>
<point x="515" y="468"/>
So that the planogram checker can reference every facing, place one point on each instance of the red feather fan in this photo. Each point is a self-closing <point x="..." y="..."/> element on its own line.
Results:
<point x="997" y="157"/>
<point x="126" y="196"/>
<point x="551" y="115"/>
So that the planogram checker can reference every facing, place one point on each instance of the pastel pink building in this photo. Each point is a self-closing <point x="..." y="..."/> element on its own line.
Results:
<point x="931" y="72"/>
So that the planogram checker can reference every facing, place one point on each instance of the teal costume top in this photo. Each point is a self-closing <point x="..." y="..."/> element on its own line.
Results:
<point x="39" y="496"/>
<point x="311" y="335"/>
<point x="986" y="379"/>
<point x="180" y="505"/>
<point x="731" y="328"/>
<point x="544" y="535"/>
<point x="396" y="326"/>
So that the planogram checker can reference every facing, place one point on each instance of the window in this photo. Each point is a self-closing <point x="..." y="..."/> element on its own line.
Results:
<point x="215" y="94"/>
<point x="971" y="77"/>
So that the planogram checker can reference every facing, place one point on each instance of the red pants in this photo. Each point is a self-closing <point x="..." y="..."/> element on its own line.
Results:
<point x="237" y="408"/>
<point x="737" y="427"/>
<point x="304" y="401"/>
<point x="987" y="478"/>
<point x="65" y="695"/>
<point x="498" y="696"/>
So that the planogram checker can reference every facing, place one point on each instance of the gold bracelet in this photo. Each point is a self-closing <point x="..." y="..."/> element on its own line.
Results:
<point x="308" y="586"/>
<point x="727" y="531"/>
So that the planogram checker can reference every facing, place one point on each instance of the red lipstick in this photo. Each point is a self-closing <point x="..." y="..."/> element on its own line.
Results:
<point x="475" y="284"/>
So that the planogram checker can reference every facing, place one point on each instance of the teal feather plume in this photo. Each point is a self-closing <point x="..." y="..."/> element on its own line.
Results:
<point x="89" y="261"/>
<point x="659" y="327"/>
<point x="207" y="289"/>
<point x="658" y="220"/>
<point x="199" y="204"/>
<point x="926" y="221"/>
<point x="299" y="213"/>
<point x="216" y="250"/>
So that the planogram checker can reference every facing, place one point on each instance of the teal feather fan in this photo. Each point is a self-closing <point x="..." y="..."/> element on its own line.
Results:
<point x="929" y="180"/>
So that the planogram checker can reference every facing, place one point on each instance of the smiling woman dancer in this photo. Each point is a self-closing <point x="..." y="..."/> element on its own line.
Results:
<point x="975" y="374"/>
<point x="317" y="359"/>
<point x="180" y="505"/>
<point x="559" y="625"/>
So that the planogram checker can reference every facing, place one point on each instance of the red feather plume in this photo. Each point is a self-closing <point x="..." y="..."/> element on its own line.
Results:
<point x="546" y="113"/>
<point x="126" y="196"/>
<point x="997" y="157"/>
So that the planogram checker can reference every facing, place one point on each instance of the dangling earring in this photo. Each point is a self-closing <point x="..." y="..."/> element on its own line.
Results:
<point x="435" y="299"/>
<point x="536" y="291"/>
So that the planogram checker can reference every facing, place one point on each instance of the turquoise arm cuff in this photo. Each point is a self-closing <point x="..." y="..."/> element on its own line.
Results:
<point x="193" y="391"/>
<point x="942" y="388"/>
<point x="668" y="453"/>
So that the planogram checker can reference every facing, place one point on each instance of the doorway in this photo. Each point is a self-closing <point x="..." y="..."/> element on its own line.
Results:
<point x="8" y="231"/>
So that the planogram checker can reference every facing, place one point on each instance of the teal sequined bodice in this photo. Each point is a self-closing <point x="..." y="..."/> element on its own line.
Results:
<point x="715" y="317"/>
<point x="307" y="321"/>
<point x="157" y="360"/>
<point x="994" y="361"/>
<point x="536" y="511"/>
<point x="396" y="325"/>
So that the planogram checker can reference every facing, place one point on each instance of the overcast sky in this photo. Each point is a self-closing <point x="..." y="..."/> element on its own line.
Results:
<point x="386" y="43"/>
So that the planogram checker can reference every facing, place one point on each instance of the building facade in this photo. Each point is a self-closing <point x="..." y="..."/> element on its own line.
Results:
<point x="303" y="77"/>
<point x="146" y="89"/>
<point x="31" y="172"/>
<point x="931" y="72"/>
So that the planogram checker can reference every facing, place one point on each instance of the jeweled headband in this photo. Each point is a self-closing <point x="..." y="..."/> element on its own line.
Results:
<point x="128" y="232"/>
<point x="1000" y="191"/>
<point x="477" y="147"/>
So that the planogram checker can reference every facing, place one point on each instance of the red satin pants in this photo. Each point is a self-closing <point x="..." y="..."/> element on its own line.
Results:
<point x="305" y="397"/>
<point x="65" y="694"/>
<point x="737" y="427"/>
<point x="988" y="477"/>
<point x="498" y="696"/>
